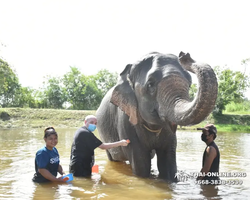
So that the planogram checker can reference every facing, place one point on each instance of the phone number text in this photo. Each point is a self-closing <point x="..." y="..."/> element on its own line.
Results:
<point x="219" y="182"/>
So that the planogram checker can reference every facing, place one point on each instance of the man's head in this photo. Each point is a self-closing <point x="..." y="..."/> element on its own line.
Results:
<point x="90" y="122"/>
<point x="209" y="129"/>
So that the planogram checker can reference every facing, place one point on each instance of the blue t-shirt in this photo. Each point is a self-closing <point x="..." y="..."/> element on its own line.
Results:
<point x="46" y="159"/>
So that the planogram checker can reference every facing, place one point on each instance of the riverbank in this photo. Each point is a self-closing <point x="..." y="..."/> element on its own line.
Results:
<point x="40" y="118"/>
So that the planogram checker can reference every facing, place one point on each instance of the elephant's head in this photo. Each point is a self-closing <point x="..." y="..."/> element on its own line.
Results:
<point x="156" y="90"/>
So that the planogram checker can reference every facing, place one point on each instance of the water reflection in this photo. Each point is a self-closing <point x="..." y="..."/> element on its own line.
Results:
<point x="209" y="191"/>
<point x="115" y="180"/>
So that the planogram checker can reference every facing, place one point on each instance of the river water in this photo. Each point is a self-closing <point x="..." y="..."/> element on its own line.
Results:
<point x="115" y="180"/>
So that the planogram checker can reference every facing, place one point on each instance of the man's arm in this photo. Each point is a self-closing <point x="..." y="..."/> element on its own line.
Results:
<point x="113" y="144"/>
<point x="210" y="156"/>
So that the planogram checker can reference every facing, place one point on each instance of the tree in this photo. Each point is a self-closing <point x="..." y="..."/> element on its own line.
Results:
<point x="9" y="85"/>
<point x="192" y="91"/>
<point x="74" y="83"/>
<point x="92" y="94"/>
<point x="231" y="87"/>
<point x="105" y="80"/>
<point x="40" y="98"/>
<point x="54" y="92"/>
<point x="25" y="97"/>
<point x="86" y="92"/>
<point x="82" y="91"/>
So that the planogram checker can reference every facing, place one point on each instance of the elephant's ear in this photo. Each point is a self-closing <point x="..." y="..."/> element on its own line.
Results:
<point x="123" y="96"/>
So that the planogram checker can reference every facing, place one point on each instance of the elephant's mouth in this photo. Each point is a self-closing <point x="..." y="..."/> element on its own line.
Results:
<point x="160" y="121"/>
<point x="155" y="125"/>
<point x="156" y="120"/>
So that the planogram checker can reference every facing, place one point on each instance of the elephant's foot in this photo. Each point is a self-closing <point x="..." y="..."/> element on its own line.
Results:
<point x="166" y="162"/>
<point x="169" y="178"/>
<point x="141" y="172"/>
<point x="141" y="166"/>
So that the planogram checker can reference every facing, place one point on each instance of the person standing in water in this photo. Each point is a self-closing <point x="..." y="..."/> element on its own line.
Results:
<point x="47" y="162"/>
<point x="83" y="146"/>
<point x="211" y="155"/>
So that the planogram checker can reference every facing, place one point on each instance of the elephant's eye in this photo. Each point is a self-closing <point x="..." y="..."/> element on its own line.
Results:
<point x="151" y="87"/>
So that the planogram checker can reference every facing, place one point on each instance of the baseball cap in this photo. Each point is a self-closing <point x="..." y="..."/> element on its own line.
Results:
<point x="210" y="128"/>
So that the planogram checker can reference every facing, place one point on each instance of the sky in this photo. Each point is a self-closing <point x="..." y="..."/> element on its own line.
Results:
<point x="40" y="38"/>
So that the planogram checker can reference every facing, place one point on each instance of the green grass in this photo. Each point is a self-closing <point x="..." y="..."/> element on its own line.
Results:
<point x="238" y="108"/>
<point x="237" y="113"/>
<point x="221" y="127"/>
<point x="233" y="128"/>
<point x="40" y="118"/>
<point x="225" y="123"/>
<point x="235" y="122"/>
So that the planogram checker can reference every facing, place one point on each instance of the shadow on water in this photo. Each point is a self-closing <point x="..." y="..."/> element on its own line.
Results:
<point x="115" y="180"/>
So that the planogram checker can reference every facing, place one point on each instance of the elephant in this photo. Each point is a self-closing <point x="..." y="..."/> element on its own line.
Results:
<point x="150" y="99"/>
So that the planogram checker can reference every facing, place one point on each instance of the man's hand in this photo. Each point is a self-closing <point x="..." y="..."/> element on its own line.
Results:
<point x="124" y="142"/>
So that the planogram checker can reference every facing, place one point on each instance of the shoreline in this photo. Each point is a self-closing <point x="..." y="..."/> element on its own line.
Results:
<point x="42" y="118"/>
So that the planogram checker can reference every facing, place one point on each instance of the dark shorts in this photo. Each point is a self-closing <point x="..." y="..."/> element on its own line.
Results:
<point x="81" y="168"/>
<point x="38" y="178"/>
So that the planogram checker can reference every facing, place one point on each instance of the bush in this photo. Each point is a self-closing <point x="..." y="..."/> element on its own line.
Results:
<point x="238" y="107"/>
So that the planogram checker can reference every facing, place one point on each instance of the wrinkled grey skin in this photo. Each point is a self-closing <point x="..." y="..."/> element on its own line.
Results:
<point x="150" y="99"/>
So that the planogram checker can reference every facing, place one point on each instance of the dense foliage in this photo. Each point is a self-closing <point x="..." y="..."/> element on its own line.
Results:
<point x="9" y="85"/>
<point x="240" y="108"/>
<point x="231" y="88"/>
<point x="77" y="91"/>
<point x="74" y="90"/>
<point x="192" y="91"/>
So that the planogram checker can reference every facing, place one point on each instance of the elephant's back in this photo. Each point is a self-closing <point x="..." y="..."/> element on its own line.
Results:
<point x="106" y="116"/>
<point x="106" y="107"/>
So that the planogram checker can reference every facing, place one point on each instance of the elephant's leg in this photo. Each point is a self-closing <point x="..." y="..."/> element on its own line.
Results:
<point x="166" y="162"/>
<point x="140" y="160"/>
<point x="109" y="156"/>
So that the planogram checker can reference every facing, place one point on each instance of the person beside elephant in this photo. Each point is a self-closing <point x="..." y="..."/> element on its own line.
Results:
<point x="211" y="155"/>
<point x="83" y="146"/>
<point x="47" y="162"/>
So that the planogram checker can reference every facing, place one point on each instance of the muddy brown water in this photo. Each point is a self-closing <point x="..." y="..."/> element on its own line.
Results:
<point x="115" y="180"/>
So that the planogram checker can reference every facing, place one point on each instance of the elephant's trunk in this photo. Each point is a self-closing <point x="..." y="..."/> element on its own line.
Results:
<point x="181" y="110"/>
